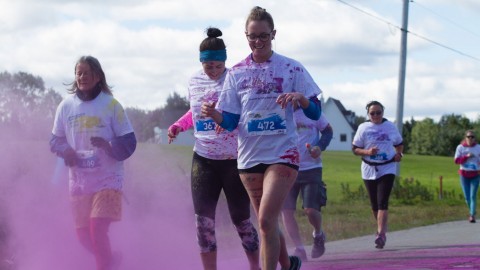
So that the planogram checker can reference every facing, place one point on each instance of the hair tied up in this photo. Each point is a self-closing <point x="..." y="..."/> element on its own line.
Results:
<point x="213" y="32"/>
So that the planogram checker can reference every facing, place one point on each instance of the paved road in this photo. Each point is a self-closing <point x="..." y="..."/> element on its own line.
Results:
<point x="451" y="245"/>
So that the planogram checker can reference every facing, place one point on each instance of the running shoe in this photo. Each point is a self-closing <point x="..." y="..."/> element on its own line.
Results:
<point x="472" y="219"/>
<point x="295" y="263"/>
<point x="300" y="253"/>
<point x="380" y="241"/>
<point x="318" y="245"/>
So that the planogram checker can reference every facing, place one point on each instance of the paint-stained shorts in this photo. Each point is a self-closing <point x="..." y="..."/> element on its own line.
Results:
<point x="106" y="203"/>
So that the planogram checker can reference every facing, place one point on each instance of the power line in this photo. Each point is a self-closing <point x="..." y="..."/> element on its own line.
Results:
<point x="447" y="19"/>
<point x="410" y="32"/>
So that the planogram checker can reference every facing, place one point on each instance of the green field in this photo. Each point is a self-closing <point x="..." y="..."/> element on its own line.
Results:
<point x="350" y="219"/>
<point x="344" y="167"/>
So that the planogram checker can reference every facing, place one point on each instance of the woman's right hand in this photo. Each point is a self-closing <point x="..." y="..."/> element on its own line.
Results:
<point x="173" y="131"/>
<point x="372" y="151"/>
<point x="208" y="109"/>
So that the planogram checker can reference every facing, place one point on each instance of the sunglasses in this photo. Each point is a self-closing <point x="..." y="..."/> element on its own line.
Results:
<point x="470" y="137"/>
<point x="375" y="113"/>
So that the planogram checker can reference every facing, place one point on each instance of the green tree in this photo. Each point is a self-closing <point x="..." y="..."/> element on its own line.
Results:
<point x="27" y="108"/>
<point x="424" y="137"/>
<point x="476" y="126"/>
<point x="140" y="123"/>
<point x="176" y="107"/>
<point x="407" y="134"/>
<point x="144" y="121"/>
<point x="359" y="120"/>
<point x="451" y="131"/>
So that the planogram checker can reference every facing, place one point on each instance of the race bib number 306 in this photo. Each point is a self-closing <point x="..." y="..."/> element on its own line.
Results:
<point x="266" y="123"/>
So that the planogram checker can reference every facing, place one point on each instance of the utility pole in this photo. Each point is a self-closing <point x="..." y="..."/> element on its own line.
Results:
<point x="403" y="62"/>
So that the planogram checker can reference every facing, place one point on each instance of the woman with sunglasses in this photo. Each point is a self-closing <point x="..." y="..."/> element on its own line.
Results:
<point x="259" y="96"/>
<point x="467" y="155"/>
<point x="380" y="145"/>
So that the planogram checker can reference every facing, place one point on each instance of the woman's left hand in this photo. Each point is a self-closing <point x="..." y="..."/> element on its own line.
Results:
<point x="295" y="98"/>
<point x="314" y="151"/>
<point x="398" y="157"/>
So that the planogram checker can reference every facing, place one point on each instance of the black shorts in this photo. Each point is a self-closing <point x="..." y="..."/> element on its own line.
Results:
<point x="262" y="167"/>
<point x="379" y="191"/>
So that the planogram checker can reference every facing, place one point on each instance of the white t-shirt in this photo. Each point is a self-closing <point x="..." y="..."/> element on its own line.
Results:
<point x="267" y="133"/>
<point x="309" y="132"/>
<point x="473" y="162"/>
<point x="79" y="120"/>
<point x="209" y="144"/>
<point x="384" y="136"/>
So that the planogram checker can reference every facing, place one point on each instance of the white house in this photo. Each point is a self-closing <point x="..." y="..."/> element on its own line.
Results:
<point x="342" y="122"/>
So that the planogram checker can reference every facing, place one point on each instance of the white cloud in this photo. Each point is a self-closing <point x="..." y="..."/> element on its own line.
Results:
<point x="150" y="48"/>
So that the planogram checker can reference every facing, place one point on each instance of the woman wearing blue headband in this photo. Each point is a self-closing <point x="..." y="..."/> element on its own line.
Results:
<point x="214" y="165"/>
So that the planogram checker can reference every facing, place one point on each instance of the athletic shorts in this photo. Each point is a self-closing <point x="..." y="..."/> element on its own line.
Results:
<point x="262" y="168"/>
<point x="106" y="203"/>
<point x="312" y="189"/>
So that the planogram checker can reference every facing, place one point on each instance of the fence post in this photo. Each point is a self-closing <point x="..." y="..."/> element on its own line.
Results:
<point x="440" y="192"/>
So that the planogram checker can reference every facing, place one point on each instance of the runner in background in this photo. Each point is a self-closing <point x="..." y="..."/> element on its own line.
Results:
<point x="313" y="138"/>
<point x="380" y="145"/>
<point x="467" y="155"/>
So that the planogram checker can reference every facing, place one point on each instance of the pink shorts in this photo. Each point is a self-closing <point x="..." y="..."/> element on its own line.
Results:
<point x="106" y="203"/>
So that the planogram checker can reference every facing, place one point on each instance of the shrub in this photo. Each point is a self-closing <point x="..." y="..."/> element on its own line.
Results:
<point x="409" y="191"/>
<point x="405" y="192"/>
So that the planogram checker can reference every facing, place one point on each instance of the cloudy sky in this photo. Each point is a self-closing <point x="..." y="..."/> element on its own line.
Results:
<point x="149" y="48"/>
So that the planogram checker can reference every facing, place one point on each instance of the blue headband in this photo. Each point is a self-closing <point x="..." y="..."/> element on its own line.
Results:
<point x="213" y="55"/>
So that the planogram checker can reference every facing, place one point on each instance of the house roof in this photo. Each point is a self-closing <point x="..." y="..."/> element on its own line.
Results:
<point x="349" y="115"/>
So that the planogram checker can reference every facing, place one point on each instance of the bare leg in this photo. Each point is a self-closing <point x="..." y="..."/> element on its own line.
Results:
<point x="85" y="239"/>
<point x="209" y="260"/>
<point x="291" y="226"/>
<point x="267" y="193"/>
<point x="253" y="259"/>
<point x="382" y="221"/>
<point x="283" y="259"/>
<point x="101" y="242"/>
<point x="315" y="219"/>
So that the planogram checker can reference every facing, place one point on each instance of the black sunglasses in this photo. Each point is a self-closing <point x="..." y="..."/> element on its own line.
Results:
<point x="470" y="137"/>
<point x="375" y="113"/>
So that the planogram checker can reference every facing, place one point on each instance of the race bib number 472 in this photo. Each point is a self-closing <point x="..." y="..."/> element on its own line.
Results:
<point x="266" y="123"/>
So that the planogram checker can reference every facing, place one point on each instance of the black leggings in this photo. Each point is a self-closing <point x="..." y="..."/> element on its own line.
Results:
<point x="379" y="191"/>
<point x="209" y="177"/>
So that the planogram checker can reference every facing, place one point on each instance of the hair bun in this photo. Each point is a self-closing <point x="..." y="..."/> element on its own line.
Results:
<point x="213" y="32"/>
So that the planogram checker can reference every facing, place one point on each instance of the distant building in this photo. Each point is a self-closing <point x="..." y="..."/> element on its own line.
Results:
<point x="342" y="122"/>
